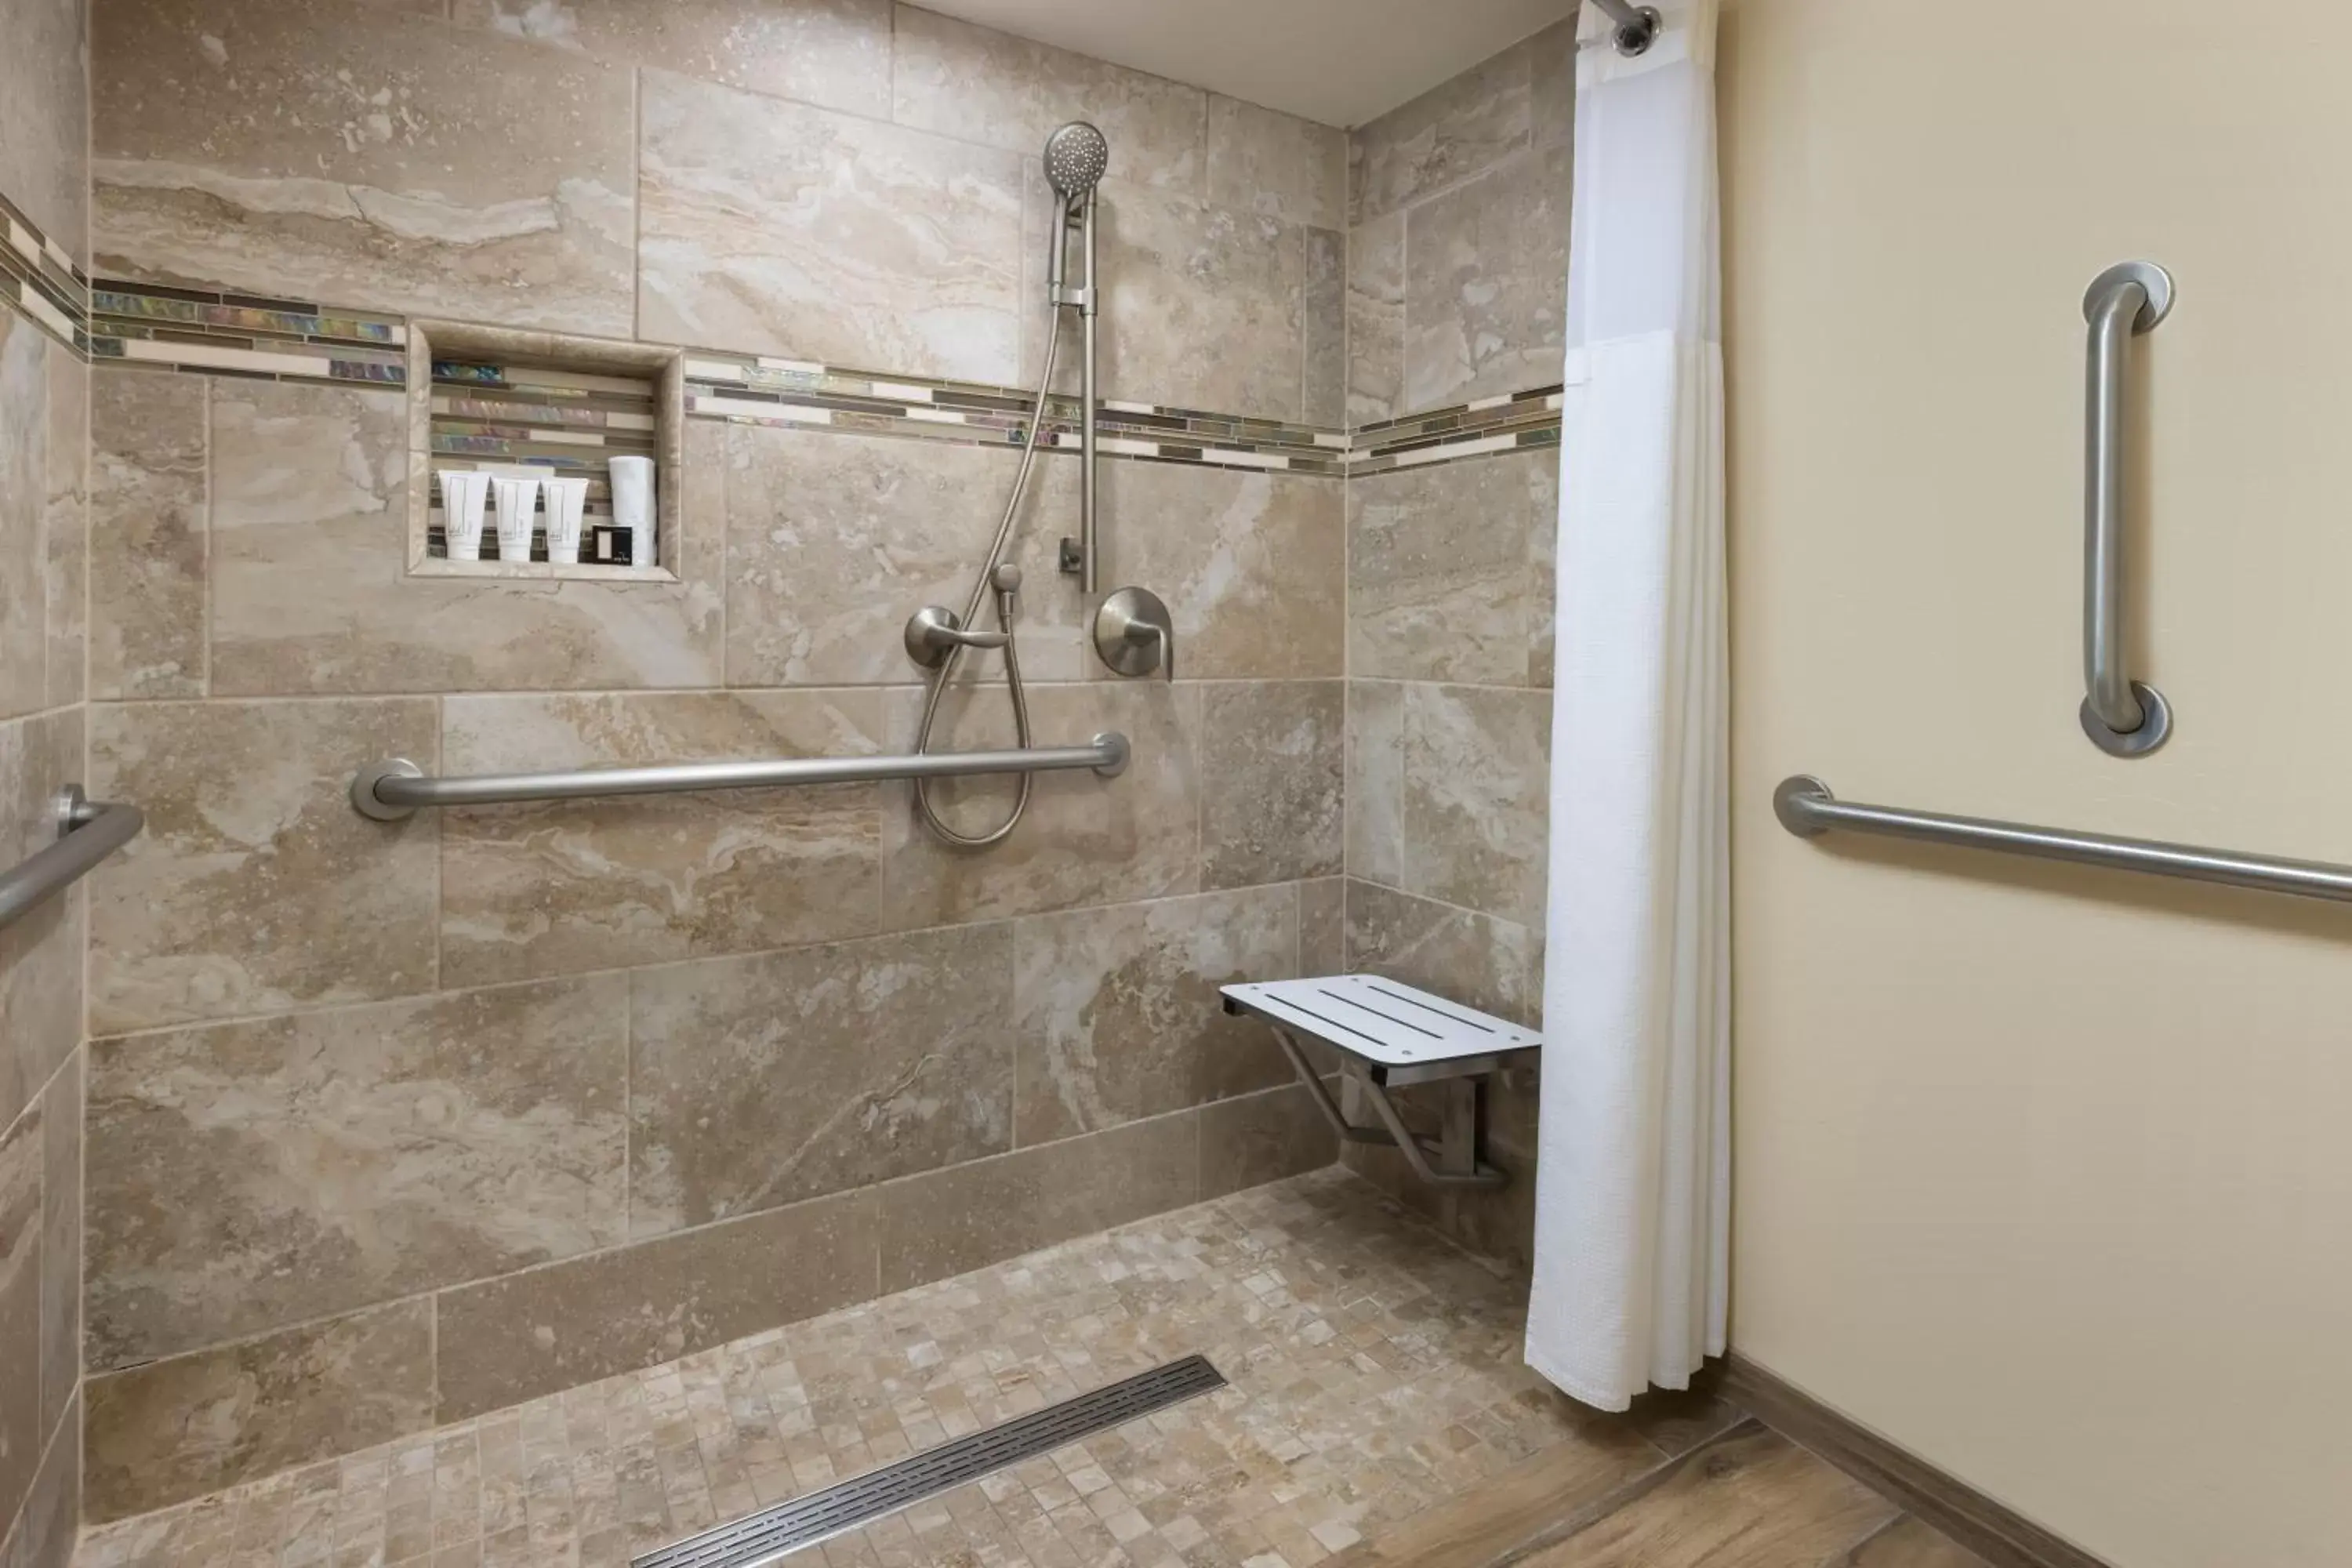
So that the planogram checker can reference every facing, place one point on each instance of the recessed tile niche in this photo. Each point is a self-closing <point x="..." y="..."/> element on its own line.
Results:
<point x="513" y="402"/>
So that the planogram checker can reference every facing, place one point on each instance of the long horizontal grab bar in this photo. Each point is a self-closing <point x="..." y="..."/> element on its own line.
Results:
<point x="89" y="831"/>
<point x="394" y="788"/>
<point x="1807" y="808"/>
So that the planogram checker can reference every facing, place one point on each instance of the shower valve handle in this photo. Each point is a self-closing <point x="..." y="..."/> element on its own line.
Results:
<point x="1134" y="635"/>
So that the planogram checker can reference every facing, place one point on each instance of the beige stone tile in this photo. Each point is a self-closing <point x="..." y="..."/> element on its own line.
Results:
<point x="834" y="54"/>
<point x="1551" y="87"/>
<point x="1376" y="319"/>
<point x="1543" y="573"/>
<point x="744" y="202"/>
<point x="1251" y="565"/>
<point x="1477" y="789"/>
<point x="1448" y="133"/>
<point x="1085" y="839"/>
<point x="1384" y="1170"/>
<point x="1492" y="964"/>
<point x="67" y="524"/>
<point x="1176" y="274"/>
<point x="171" y="1430"/>
<point x="1442" y="565"/>
<point x="61" y="1241"/>
<point x="333" y="151"/>
<point x="976" y="84"/>
<point x="1485" y="283"/>
<point x="1498" y="1223"/>
<point x="1263" y="161"/>
<point x="560" y="886"/>
<point x="1272" y="781"/>
<point x="43" y="114"/>
<point x="1323" y="926"/>
<point x="949" y="1221"/>
<point x="506" y="1341"/>
<point x="24" y="354"/>
<point x="1383" y="1397"/>
<point x="41" y="953"/>
<point x="1255" y="1139"/>
<point x="311" y="591"/>
<point x="256" y="885"/>
<point x="1326" y="312"/>
<point x="1514" y="1105"/>
<point x="1375" y="781"/>
<point x="248" y="1176"/>
<point x="834" y="539"/>
<point x="756" y="1082"/>
<point x="1117" y="1011"/>
<point x="44" y="1533"/>
<point x="148" y="535"/>
<point x="22" y="1157"/>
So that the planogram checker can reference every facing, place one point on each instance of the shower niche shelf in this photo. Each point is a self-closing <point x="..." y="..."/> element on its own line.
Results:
<point x="514" y="402"/>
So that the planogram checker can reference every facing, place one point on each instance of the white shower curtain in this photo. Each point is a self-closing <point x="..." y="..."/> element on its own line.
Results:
<point x="1634" y="1171"/>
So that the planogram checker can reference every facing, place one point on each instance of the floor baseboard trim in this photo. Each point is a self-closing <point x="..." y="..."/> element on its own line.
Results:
<point x="1994" y="1531"/>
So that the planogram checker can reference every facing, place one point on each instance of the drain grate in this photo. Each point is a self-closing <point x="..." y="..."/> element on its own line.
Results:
<point x="775" y="1532"/>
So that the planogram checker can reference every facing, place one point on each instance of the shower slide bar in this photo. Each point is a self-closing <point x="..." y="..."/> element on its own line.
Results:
<point x="1807" y="808"/>
<point x="395" y="787"/>
<point x="87" y="832"/>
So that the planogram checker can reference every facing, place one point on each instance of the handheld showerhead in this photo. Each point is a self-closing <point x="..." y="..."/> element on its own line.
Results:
<point x="1076" y="157"/>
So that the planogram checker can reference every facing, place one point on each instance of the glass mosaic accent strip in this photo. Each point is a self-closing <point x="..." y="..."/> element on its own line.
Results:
<point x="39" y="277"/>
<point x="1488" y="426"/>
<point x="765" y="390"/>
<point x="155" y="325"/>
<point x="570" y="420"/>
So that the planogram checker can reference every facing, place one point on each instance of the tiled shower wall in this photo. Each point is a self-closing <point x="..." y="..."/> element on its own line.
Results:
<point x="44" y="443"/>
<point x="393" y="1123"/>
<point x="1457" y="292"/>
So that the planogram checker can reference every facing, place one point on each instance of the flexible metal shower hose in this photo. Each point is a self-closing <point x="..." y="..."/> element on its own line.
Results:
<point x="946" y="671"/>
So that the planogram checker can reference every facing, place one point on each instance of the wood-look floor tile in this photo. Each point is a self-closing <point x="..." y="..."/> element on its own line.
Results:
<point x="1753" y="1498"/>
<point x="1487" y="1523"/>
<point x="1910" y="1543"/>
<point x="1678" y="1420"/>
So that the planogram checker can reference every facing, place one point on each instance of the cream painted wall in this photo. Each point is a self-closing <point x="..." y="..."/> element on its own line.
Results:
<point x="2047" y="1174"/>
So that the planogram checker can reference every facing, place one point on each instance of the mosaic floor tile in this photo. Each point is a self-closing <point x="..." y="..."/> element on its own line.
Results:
<point x="1374" y="1367"/>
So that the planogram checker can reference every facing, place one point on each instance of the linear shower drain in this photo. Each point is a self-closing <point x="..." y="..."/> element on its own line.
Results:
<point x="774" y="1532"/>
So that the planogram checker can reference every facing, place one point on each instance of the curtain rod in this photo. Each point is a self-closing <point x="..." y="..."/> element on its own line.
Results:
<point x="1636" y="26"/>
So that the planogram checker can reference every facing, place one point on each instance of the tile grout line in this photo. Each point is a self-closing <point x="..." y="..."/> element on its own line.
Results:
<point x="843" y="1196"/>
<point x="315" y="1009"/>
<point x="710" y="1383"/>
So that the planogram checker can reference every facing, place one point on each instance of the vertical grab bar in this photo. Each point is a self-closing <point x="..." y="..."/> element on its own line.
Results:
<point x="2121" y="716"/>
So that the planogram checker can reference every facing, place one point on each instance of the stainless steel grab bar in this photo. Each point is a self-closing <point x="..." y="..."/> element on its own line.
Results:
<point x="87" y="832"/>
<point x="2121" y="716"/>
<point x="395" y="788"/>
<point x="1807" y="808"/>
